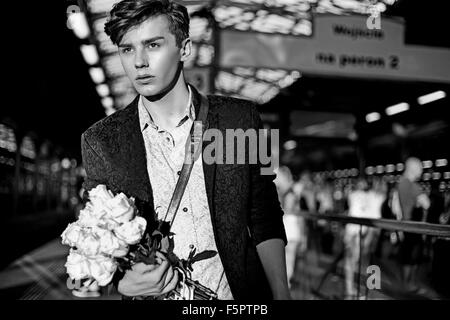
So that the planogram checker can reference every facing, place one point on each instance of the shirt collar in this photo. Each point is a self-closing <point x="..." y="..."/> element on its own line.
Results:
<point x="145" y="119"/>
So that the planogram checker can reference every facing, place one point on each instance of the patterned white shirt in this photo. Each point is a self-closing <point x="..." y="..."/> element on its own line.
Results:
<point x="192" y="226"/>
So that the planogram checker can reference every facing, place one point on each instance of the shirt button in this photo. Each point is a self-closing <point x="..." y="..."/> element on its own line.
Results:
<point x="185" y="209"/>
<point x="178" y="172"/>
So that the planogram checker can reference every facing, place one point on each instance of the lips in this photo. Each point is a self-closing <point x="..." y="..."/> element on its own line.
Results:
<point x="145" y="78"/>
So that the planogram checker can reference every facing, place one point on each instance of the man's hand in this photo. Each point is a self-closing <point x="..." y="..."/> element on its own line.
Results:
<point x="149" y="280"/>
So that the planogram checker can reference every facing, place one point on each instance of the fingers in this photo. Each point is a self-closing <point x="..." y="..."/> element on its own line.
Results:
<point x="162" y="268"/>
<point x="141" y="267"/>
<point x="161" y="260"/>
<point x="166" y="276"/>
<point x="153" y="279"/>
<point x="172" y="283"/>
<point x="171" y="272"/>
<point x="160" y="256"/>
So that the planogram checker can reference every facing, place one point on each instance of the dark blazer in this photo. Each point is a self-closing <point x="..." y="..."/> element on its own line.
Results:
<point x="243" y="203"/>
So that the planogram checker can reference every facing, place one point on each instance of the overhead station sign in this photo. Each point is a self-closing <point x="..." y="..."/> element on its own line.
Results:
<point x="340" y="46"/>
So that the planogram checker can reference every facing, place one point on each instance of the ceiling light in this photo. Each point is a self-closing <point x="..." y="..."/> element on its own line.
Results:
<point x="103" y="90"/>
<point x="97" y="75"/>
<point x="90" y="54"/>
<point x="431" y="97"/>
<point x="374" y="116"/>
<point x="397" y="108"/>
<point x="290" y="145"/>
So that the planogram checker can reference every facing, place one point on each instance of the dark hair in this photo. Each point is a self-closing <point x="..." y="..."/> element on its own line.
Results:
<point x="130" y="13"/>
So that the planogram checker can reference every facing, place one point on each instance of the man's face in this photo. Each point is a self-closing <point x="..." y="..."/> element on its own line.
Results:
<point x="150" y="56"/>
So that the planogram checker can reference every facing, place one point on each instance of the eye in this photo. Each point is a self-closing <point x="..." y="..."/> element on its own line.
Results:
<point x="126" y="50"/>
<point x="154" y="45"/>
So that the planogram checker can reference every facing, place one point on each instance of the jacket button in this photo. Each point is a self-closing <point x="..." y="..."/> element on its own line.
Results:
<point x="178" y="172"/>
<point x="185" y="209"/>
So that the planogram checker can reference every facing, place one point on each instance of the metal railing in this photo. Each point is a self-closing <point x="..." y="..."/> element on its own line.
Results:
<point x="386" y="224"/>
<point x="423" y="228"/>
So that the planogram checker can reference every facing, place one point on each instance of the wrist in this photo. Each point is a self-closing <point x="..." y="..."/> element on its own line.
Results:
<point x="281" y="293"/>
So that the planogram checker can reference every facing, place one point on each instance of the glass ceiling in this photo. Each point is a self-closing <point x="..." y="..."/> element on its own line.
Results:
<point x="287" y="17"/>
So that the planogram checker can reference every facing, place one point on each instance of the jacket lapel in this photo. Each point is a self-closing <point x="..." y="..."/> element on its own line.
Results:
<point x="209" y="170"/>
<point x="131" y="155"/>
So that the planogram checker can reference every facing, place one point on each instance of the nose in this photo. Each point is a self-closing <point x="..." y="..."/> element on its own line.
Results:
<point x="140" y="59"/>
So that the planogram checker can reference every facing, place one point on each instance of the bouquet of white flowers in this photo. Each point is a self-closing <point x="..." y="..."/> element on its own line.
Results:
<point x="101" y="238"/>
<point x="109" y="235"/>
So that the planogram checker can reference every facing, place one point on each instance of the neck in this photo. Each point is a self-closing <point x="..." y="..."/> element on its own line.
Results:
<point x="171" y="107"/>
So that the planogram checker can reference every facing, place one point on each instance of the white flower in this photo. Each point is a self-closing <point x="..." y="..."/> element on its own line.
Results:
<point x="87" y="218"/>
<point x="72" y="235"/>
<point x="110" y="244"/>
<point x="89" y="245"/>
<point x="131" y="232"/>
<point x="77" y="265"/>
<point x="121" y="208"/>
<point x="121" y="251"/>
<point x="100" y="195"/>
<point x="102" y="269"/>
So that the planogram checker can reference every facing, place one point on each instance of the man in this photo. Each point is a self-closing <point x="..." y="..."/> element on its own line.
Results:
<point x="357" y="203"/>
<point x="412" y="202"/>
<point x="228" y="208"/>
<point x="364" y="202"/>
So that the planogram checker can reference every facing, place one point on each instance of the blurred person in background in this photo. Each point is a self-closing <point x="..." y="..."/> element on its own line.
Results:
<point x="441" y="249"/>
<point x="325" y="198"/>
<point x="308" y="203"/>
<point x="362" y="204"/>
<point x="288" y="195"/>
<point x="387" y="239"/>
<point x="412" y="201"/>
<point x="376" y="197"/>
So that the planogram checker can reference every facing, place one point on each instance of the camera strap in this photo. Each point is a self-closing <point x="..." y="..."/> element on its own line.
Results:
<point x="192" y="151"/>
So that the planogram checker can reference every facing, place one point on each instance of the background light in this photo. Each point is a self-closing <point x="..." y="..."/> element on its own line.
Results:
<point x="65" y="163"/>
<point x="97" y="75"/>
<point x="441" y="162"/>
<point x="290" y="145"/>
<point x="108" y="102"/>
<point x="79" y="25"/>
<point x="90" y="54"/>
<point x="103" y="90"/>
<point x="390" y="168"/>
<point x="427" y="164"/>
<point x="397" y="108"/>
<point x="431" y="97"/>
<point x="374" y="116"/>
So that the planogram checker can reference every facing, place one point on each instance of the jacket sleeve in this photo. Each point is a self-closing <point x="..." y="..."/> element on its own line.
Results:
<point x="94" y="166"/>
<point x="96" y="173"/>
<point x="266" y="215"/>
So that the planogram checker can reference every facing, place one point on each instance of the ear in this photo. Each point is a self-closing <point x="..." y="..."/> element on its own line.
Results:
<point x="186" y="49"/>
